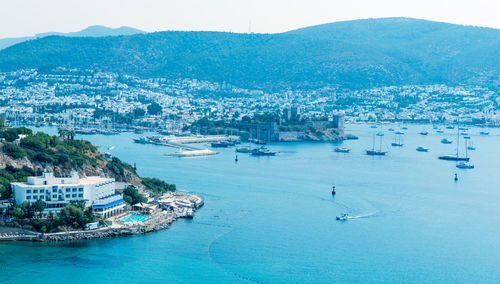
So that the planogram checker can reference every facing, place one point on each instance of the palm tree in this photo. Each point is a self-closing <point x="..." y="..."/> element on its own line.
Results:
<point x="71" y="134"/>
<point x="62" y="133"/>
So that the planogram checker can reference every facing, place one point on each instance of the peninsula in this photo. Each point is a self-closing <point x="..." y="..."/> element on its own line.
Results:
<point x="56" y="188"/>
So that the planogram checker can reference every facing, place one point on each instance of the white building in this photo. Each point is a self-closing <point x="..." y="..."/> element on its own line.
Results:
<point x="57" y="192"/>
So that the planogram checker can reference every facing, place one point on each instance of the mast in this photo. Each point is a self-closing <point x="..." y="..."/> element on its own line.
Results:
<point x="458" y="135"/>
<point x="466" y="152"/>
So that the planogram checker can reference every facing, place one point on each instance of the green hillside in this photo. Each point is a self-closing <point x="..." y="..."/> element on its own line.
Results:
<point x="353" y="54"/>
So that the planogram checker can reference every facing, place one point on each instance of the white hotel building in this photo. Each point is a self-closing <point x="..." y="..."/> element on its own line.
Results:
<point x="57" y="192"/>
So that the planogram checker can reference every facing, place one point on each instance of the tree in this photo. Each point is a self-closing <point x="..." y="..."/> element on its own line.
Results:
<point x="158" y="185"/>
<point x="39" y="206"/>
<point x="24" y="130"/>
<point x="132" y="196"/>
<point x="72" y="216"/>
<point x="13" y="151"/>
<point x="246" y="118"/>
<point x="139" y="112"/>
<point x="16" y="212"/>
<point x="62" y="133"/>
<point x="154" y="108"/>
<point x="10" y="135"/>
<point x="27" y="209"/>
<point x="71" y="134"/>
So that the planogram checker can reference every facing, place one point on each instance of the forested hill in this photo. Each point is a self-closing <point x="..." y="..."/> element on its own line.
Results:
<point x="353" y="54"/>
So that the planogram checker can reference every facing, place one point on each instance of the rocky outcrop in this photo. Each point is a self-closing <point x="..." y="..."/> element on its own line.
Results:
<point x="6" y="160"/>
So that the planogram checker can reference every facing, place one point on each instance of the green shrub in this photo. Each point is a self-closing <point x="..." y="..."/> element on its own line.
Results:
<point x="132" y="196"/>
<point x="158" y="185"/>
<point x="14" y="151"/>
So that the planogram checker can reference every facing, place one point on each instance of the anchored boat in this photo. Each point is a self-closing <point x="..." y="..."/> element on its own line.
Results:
<point x="456" y="157"/>
<point x="262" y="151"/>
<point x="244" y="149"/>
<point x="422" y="149"/>
<point x="376" y="152"/>
<point x="465" y="165"/>
<point x="397" y="141"/>
<point x="446" y="141"/>
<point x="341" y="150"/>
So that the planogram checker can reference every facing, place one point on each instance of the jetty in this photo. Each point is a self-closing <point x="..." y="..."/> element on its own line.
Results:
<point x="180" y="142"/>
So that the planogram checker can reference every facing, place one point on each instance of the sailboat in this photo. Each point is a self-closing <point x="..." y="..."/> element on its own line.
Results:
<point x="423" y="132"/>
<point x="455" y="157"/>
<point x="471" y="145"/>
<point x="397" y="141"/>
<point x="465" y="164"/>
<point x="375" y="152"/>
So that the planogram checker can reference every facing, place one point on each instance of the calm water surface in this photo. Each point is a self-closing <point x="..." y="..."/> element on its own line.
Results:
<point x="272" y="219"/>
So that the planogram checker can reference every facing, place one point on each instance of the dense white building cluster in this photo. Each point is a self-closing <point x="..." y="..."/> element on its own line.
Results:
<point x="71" y="96"/>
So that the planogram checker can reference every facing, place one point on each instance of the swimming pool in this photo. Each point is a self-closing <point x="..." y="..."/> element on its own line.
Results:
<point x="135" y="218"/>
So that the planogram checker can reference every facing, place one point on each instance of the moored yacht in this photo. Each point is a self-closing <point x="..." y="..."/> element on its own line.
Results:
<point x="262" y="151"/>
<point x="341" y="150"/>
<point x="397" y="141"/>
<point x="376" y="152"/>
<point x="456" y="157"/>
<point x="221" y="144"/>
<point x="453" y="158"/>
<point x="422" y="149"/>
<point x="465" y="165"/>
<point x="246" y="149"/>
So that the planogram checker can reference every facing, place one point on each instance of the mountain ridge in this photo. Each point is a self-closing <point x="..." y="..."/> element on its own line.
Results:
<point x="94" y="31"/>
<point x="353" y="54"/>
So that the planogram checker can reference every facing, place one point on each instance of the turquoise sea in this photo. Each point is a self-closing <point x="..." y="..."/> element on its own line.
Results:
<point x="272" y="219"/>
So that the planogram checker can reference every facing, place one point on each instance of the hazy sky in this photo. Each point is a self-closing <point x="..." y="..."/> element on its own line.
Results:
<point x="27" y="17"/>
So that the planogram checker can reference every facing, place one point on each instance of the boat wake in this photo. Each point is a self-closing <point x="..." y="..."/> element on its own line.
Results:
<point x="368" y="215"/>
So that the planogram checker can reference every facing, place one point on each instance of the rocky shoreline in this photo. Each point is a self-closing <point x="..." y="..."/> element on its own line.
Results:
<point x="156" y="222"/>
<point x="91" y="234"/>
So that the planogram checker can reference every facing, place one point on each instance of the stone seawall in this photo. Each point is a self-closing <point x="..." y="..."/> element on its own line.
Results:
<point x="155" y="224"/>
